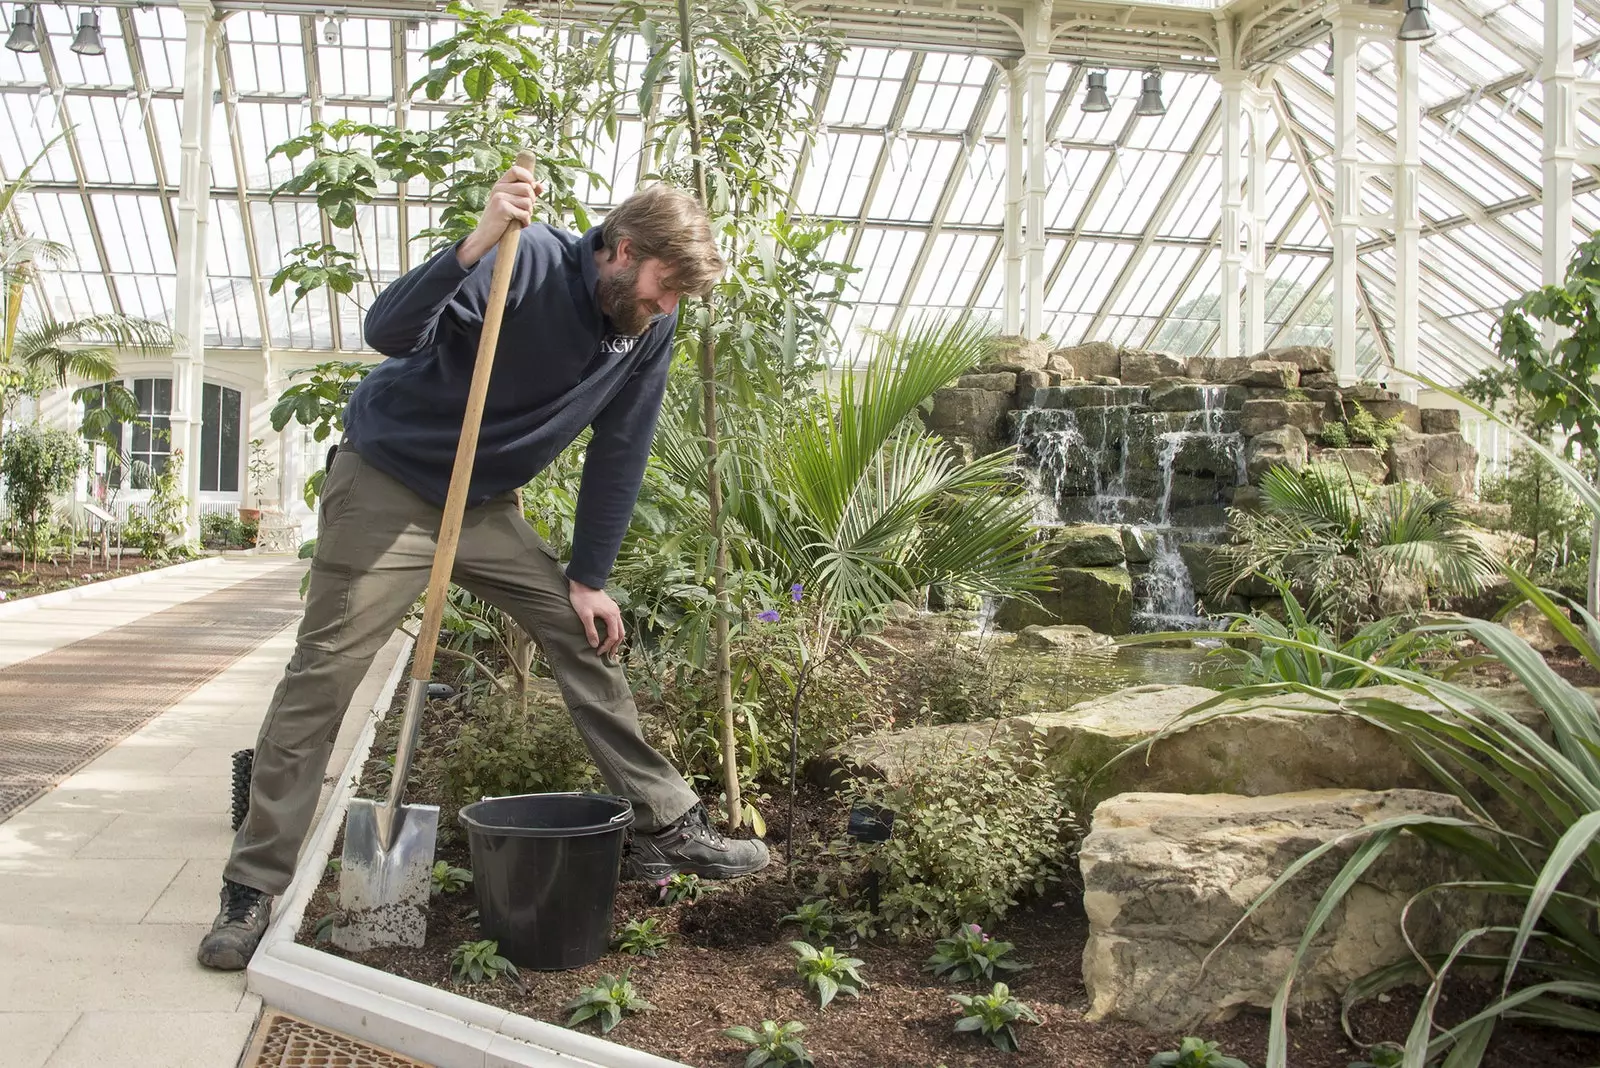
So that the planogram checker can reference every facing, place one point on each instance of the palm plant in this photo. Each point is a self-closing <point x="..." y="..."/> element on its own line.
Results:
<point x="1537" y="843"/>
<point x="1346" y="543"/>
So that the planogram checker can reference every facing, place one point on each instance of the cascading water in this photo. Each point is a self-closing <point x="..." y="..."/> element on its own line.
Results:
<point x="1101" y="454"/>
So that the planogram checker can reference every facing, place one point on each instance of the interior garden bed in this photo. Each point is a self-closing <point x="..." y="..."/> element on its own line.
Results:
<point x="728" y="962"/>
<point x="19" y="580"/>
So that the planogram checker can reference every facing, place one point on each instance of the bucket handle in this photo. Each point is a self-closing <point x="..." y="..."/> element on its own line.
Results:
<point x="619" y="817"/>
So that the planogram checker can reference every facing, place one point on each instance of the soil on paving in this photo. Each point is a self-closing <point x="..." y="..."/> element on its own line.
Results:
<point x="728" y="962"/>
<point x="18" y="580"/>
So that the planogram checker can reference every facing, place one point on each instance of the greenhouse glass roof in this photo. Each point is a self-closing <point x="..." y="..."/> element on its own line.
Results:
<point x="911" y="155"/>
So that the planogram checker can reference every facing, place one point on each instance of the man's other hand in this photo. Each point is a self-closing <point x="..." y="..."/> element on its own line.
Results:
<point x="596" y="606"/>
<point x="511" y="200"/>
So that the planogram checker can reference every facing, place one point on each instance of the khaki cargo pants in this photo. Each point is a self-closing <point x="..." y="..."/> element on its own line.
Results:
<point x="374" y="552"/>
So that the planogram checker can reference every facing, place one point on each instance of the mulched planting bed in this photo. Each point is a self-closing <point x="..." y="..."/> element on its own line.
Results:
<point x="728" y="962"/>
<point x="18" y="580"/>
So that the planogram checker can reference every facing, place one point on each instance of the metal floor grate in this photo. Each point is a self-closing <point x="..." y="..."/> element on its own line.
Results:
<point x="63" y="708"/>
<point x="287" y="1042"/>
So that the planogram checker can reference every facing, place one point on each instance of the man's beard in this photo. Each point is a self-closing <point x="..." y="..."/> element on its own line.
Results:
<point x="619" y="299"/>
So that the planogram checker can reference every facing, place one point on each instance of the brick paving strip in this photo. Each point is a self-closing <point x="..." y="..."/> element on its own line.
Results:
<point x="63" y="708"/>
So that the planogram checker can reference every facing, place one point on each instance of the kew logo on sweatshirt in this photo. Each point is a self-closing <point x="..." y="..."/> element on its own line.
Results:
<point x="619" y="344"/>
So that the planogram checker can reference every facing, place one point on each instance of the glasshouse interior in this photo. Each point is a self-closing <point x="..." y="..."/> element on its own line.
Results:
<point x="864" y="533"/>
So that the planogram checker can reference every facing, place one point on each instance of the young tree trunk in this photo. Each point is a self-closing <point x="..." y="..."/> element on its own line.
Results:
<point x="708" y="388"/>
<point x="1594" y="566"/>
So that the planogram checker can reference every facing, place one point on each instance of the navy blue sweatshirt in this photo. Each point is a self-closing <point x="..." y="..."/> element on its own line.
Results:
<point x="560" y="366"/>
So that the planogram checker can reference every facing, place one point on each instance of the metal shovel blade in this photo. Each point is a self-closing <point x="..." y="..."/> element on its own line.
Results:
<point x="383" y="892"/>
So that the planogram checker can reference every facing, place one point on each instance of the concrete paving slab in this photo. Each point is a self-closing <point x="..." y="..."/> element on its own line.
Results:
<point x="57" y="891"/>
<point x="30" y="837"/>
<point x="140" y="792"/>
<point x="156" y="758"/>
<point x="212" y="761"/>
<point x="29" y="1038"/>
<point x="148" y="967"/>
<point x="155" y="1040"/>
<point x="161" y="835"/>
<point x="191" y="896"/>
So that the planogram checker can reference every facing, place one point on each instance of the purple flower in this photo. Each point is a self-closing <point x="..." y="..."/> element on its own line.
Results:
<point x="797" y="591"/>
<point x="769" y="616"/>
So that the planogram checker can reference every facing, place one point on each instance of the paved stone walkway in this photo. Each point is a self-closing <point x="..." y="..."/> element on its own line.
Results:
<point x="108" y="881"/>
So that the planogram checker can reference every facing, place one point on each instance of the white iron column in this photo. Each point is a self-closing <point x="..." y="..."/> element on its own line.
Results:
<point x="1232" y="207"/>
<point x="1255" y="285"/>
<point x="194" y="214"/>
<point x="1347" y="190"/>
<point x="1015" y="92"/>
<point x="1560" y="137"/>
<point x="1407" y="217"/>
<point x="1035" y="69"/>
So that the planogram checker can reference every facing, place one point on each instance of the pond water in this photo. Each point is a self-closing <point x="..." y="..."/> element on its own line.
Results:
<point x="1054" y="680"/>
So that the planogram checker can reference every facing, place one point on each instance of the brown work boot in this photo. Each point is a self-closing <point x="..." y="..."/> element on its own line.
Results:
<point x="691" y="845"/>
<point x="237" y="930"/>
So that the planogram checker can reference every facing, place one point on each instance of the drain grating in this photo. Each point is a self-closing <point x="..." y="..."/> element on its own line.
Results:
<point x="283" y="1041"/>
<point x="63" y="708"/>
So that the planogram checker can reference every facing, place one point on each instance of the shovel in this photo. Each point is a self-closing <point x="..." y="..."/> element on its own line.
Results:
<point x="386" y="875"/>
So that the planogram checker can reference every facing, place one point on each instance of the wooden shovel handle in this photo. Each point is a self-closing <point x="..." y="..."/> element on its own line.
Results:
<point x="455" y="503"/>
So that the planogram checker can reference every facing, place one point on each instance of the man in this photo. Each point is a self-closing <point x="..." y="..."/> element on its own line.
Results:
<point x="586" y="340"/>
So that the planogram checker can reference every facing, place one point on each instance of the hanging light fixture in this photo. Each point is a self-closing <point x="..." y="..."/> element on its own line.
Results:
<point x="1096" y="99"/>
<point x="88" y="42"/>
<point x="1327" y="68"/>
<point x="1150" y="96"/>
<point x="1417" y="26"/>
<point x="23" y="37"/>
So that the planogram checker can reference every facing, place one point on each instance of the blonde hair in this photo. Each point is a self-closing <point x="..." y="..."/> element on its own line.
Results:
<point x="669" y="225"/>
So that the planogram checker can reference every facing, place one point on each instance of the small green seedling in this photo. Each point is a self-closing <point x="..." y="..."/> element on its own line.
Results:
<point x="1383" y="1055"/>
<point x="774" y="1044"/>
<point x="971" y="954"/>
<point x="449" y="880"/>
<point x="828" y="973"/>
<point x="474" y="962"/>
<point x="608" y="999"/>
<point x="815" y="919"/>
<point x="1195" y="1053"/>
<point x="992" y="1014"/>
<point x="642" y="938"/>
<point x="679" y="887"/>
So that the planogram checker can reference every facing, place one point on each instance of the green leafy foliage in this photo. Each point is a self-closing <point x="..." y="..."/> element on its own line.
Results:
<point x="1382" y="1055"/>
<point x="1547" y="516"/>
<point x="314" y="265"/>
<point x="971" y="954"/>
<point x="815" y="918"/>
<point x="222" y="530"/>
<point x="1366" y="429"/>
<point x="679" y="886"/>
<point x="448" y="879"/>
<point x="994" y="1015"/>
<point x="153" y="526"/>
<point x="39" y="464"/>
<point x="319" y="402"/>
<point x="642" y="938"/>
<point x="1195" y="1053"/>
<point x="606" y="1001"/>
<point x="974" y="830"/>
<point x="1336" y="435"/>
<point x="827" y="972"/>
<point x="476" y="962"/>
<point x="502" y="749"/>
<point x="774" y="1044"/>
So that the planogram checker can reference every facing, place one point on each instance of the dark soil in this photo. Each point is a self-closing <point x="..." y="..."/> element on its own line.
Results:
<point x="728" y="963"/>
<point x="19" y="580"/>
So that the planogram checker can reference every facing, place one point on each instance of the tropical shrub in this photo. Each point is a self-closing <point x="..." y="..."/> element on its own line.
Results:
<point x="1553" y="526"/>
<point x="39" y="464"/>
<point x="501" y="749"/>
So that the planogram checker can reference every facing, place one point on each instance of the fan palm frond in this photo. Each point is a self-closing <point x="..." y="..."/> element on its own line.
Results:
<point x="87" y="347"/>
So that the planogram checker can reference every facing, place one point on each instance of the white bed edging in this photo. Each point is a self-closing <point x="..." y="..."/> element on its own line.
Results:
<point x="419" y="1021"/>
<point x="47" y="600"/>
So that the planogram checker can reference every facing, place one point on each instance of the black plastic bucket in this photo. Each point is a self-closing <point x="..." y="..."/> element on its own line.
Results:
<point x="544" y="867"/>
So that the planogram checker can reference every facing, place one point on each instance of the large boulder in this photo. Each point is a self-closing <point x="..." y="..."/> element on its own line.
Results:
<point x="995" y="381"/>
<point x="1311" y="359"/>
<point x="1092" y="359"/>
<point x="1070" y="638"/>
<point x="1086" y="545"/>
<point x="1409" y="414"/>
<point x="1137" y="545"/>
<point x="1285" y="446"/>
<point x="1028" y="384"/>
<point x="1441" y="421"/>
<point x="1267" y="374"/>
<point x="1262" y="415"/>
<point x="1013" y="352"/>
<point x="977" y="415"/>
<point x="1096" y="396"/>
<point x="1445" y="462"/>
<point x="1533" y="627"/>
<point x="1166" y="876"/>
<point x="1140" y="367"/>
<point x="1097" y="597"/>
<point x="1363" y="463"/>
<point x="1176" y="395"/>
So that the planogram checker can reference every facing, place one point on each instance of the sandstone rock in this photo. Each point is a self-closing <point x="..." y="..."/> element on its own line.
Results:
<point x="1167" y="875"/>
<point x="1443" y="461"/>
<point x="1332" y="402"/>
<point x="997" y="381"/>
<point x="1029" y="383"/>
<point x="1247" y="498"/>
<point x="1318" y="380"/>
<point x="1196" y="556"/>
<point x="1097" y="597"/>
<point x="1385" y="410"/>
<point x="1315" y="359"/>
<point x="1363" y="463"/>
<point x="1530" y="624"/>
<point x="1285" y="446"/>
<point x="1441" y="421"/>
<point x="1268" y="374"/>
<point x="1090" y="360"/>
<point x="975" y="414"/>
<point x="1176" y="395"/>
<point x="1106" y="380"/>
<point x="1260" y="416"/>
<point x="1367" y="391"/>
<point x="1086" y="545"/>
<point x="1071" y="638"/>
<point x="1487" y="515"/>
<point x="1140" y="367"/>
<point x="1012" y="352"/>
<point x="1136" y="545"/>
